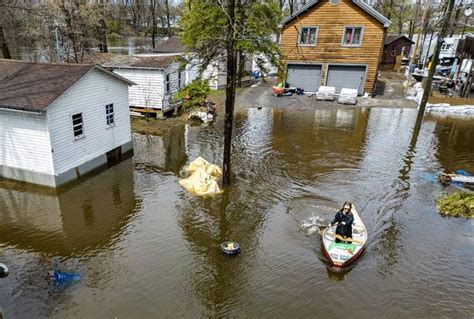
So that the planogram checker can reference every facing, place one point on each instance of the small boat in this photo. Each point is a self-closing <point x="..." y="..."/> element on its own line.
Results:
<point x="343" y="254"/>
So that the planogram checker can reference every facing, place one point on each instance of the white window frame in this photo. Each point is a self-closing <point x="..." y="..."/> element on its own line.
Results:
<point x="344" y="35"/>
<point x="75" y="126"/>
<point x="111" y="115"/>
<point x="299" y="36"/>
<point x="167" y="83"/>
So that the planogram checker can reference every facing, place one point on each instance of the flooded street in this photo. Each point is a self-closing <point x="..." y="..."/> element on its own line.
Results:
<point x="148" y="249"/>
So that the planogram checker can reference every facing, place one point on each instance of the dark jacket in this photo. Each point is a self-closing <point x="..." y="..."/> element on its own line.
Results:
<point x="343" y="230"/>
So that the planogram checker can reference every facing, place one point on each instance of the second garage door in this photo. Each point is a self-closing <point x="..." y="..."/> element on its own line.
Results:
<point x="306" y="76"/>
<point x="346" y="76"/>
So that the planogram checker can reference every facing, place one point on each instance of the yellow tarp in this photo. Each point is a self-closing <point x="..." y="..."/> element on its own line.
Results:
<point x="203" y="178"/>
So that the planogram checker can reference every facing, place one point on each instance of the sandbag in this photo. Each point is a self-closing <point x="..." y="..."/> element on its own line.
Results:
<point x="203" y="178"/>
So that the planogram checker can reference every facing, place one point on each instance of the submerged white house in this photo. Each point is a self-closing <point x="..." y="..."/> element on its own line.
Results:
<point x="61" y="121"/>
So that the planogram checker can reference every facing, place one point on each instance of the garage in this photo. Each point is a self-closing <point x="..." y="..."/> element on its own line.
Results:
<point x="346" y="76"/>
<point x="306" y="76"/>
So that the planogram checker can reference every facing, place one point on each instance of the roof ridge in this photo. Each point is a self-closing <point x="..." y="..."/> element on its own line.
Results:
<point x="46" y="63"/>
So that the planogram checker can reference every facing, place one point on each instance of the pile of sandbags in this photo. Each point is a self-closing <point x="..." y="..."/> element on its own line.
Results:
<point x="326" y="93"/>
<point x="202" y="178"/>
<point x="348" y="96"/>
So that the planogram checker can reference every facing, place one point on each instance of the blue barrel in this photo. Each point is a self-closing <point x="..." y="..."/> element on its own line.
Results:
<point x="65" y="276"/>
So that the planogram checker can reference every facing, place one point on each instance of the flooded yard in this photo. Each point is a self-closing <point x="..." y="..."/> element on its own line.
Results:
<point x="147" y="248"/>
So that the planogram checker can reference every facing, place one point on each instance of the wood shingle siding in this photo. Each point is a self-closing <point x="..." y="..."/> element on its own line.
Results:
<point x="331" y="21"/>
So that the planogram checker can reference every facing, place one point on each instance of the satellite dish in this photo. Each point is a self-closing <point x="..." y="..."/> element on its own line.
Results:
<point x="468" y="12"/>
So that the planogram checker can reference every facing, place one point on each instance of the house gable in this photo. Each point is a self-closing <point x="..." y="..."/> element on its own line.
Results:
<point x="331" y="21"/>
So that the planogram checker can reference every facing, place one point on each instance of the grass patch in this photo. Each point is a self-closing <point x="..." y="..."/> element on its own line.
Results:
<point x="459" y="204"/>
<point x="156" y="126"/>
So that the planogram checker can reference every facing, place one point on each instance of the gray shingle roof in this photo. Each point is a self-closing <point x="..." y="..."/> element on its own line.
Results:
<point x="33" y="87"/>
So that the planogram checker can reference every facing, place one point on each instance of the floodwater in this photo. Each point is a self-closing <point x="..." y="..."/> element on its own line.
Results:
<point x="146" y="248"/>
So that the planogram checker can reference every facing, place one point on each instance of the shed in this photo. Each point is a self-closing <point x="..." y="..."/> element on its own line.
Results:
<point x="158" y="79"/>
<point x="61" y="121"/>
<point x="395" y="45"/>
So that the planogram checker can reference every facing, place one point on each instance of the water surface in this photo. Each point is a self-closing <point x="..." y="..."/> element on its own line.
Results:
<point x="149" y="249"/>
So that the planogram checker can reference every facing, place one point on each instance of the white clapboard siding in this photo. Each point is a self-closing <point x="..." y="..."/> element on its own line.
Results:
<point x="24" y="142"/>
<point x="148" y="91"/>
<point x="175" y="86"/>
<point x="89" y="95"/>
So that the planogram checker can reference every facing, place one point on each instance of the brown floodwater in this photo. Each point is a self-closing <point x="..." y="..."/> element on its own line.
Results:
<point x="146" y="248"/>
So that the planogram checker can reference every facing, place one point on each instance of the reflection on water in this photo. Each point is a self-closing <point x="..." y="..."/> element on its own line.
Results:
<point x="148" y="248"/>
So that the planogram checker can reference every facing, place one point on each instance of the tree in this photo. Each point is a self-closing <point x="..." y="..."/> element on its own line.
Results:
<point x="220" y="29"/>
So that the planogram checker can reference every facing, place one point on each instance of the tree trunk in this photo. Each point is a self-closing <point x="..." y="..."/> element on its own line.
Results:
<point x="390" y="6"/>
<point x="241" y="62"/>
<point x="229" y="92"/>
<point x="456" y="18"/>
<point x="153" y="22"/>
<point x="413" y="22"/>
<point x="168" y="18"/>
<point x="3" y="43"/>
<point x="70" y="33"/>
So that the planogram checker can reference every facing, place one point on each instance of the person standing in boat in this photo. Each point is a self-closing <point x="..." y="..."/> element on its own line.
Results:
<point x="344" y="219"/>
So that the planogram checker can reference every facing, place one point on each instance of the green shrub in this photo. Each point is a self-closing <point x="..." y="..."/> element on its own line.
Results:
<point x="456" y="204"/>
<point x="194" y="94"/>
<point x="114" y="26"/>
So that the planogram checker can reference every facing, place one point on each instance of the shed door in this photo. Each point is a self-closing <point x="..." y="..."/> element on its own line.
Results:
<point x="304" y="76"/>
<point x="346" y="76"/>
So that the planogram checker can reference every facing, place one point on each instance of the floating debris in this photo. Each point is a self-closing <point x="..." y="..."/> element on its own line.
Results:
<point x="230" y="248"/>
<point x="3" y="271"/>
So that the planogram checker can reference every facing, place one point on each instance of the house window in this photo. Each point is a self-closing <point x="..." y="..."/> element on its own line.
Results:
<point x="179" y="79"/>
<point x="394" y="52"/>
<point x="352" y="36"/>
<point x="403" y="50"/>
<point x="167" y="83"/>
<point x="109" y="114"/>
<point x="308" y="36"/>
<point x="77" y="125"/>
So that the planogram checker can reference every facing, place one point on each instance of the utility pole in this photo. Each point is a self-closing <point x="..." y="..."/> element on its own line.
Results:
<point x="434" y="62"/>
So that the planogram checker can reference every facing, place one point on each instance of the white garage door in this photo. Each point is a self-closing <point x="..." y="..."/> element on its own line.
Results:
<point x="304" y="76"/>
<point x="346" y="76"/>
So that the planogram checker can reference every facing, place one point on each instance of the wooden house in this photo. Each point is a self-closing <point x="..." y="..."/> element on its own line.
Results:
<point x="58" y="122"/>
<point x="335" y="43"/>
<point x="395" y="46"/>
<point x="158" y="79"/>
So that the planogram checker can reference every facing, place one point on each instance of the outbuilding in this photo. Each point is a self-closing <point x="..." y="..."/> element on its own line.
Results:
<point x="61" y="121"/>
<point x="395" y="46"/>
<point x="158" y="79"/>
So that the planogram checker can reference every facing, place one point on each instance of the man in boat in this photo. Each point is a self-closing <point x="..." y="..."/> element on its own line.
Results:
<point x="344" y="219"/>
